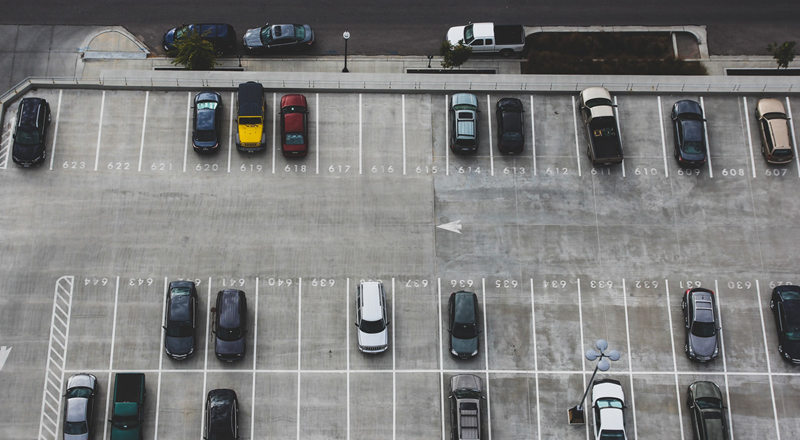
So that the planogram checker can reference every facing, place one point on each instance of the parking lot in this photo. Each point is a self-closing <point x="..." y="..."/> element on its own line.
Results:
<point x="559" y="253"/>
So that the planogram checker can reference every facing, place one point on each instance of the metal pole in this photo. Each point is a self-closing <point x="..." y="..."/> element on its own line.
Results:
<point x="589" y="385"/>
<point x="346" y="37"/>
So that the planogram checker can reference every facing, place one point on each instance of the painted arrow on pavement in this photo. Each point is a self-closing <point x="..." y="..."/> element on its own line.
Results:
<point x="452" y="226"/>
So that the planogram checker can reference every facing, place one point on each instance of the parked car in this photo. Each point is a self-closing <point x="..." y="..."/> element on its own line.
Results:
<point x="180" y="320"/>
<point x="608" y="403"/>
<point x="79" y="407"/>
<point x="465" y="407"/>
<point x="278" y="36"/>
<point x="463" y="324"/>
<point x="510" y="126"/>
<point x="701" y="323"/>
<point x="30" y="132"/>
<point x="221" y="35"/>
<point x="372" y="318"/>
<point x="602" y="127"/>
<point x="774" y="127"/>
<point x="230" y="324"/>
<point x="785" y="305"/>
<point x="690" y="136"/>
<point x="294" y="125"/>
<point x="464" y="123"/>
<point x="222" y="415"/>
<point x="207" y="130"/>
<point x="708" y="413"/>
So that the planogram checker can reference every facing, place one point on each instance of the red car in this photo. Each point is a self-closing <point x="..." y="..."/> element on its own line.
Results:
<point x="294" y="125"/>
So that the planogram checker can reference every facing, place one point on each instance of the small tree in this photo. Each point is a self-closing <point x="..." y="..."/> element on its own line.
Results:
<point x="193" y="52"/>
<point x="454" y="56"/>
<point x="783" y="54"/>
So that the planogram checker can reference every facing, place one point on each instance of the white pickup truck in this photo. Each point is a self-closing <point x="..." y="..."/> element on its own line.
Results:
<point x="489" y="37"/>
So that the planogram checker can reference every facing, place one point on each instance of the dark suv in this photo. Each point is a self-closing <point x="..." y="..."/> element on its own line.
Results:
<point x="708" y="412"/>
<point x="180" y="320"/>
<point x="510" y="132"/>
<point x="701" y="324"/>
<point x="785" y="305"/>
<point x="33" y="117"/>
<point x="222" y="415"/>
<point x="463" y="324"/>
<point x="230" y="322"/>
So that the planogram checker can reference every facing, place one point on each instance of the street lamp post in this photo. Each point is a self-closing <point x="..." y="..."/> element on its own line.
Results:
<point x="576" y="413"/>
<point x="346" y="36"/>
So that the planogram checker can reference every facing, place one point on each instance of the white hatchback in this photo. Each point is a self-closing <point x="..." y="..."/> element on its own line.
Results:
<point x="608" y="403"/>
<point x="371" y="318"/>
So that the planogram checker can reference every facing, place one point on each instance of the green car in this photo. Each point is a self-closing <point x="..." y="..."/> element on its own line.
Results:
<point x="708" y="412"/>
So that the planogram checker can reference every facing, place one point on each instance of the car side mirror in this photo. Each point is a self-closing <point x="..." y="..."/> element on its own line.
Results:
<point x="480" y="331"/>
<point x="164" y="327"/>
<point x="355" y="324"/>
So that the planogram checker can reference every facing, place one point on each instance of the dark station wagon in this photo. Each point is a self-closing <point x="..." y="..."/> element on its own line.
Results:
<point x="30" y="134"/>
<point x="463" y="324"/>
<point x="222" y="36"/>
<point x="230" y="324"/>
<point x="785" y="305"/>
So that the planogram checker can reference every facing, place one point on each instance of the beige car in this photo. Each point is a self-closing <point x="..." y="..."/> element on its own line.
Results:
<point x="774" y="127"/>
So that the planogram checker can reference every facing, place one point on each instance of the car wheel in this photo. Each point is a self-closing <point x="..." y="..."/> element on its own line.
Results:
<point x="683" y="304"/>
<point x="686" y="349"/>
<point x="772" y="304"/>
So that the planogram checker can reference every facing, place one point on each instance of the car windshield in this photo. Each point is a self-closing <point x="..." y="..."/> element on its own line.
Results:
<point x="610" y="435"/>
<point x="179" y="329"/>
<point x="465" y="331"/>
<point x="782" y="152"/>
<point x="467" y="394"/>
<point x="126" y="422"/>
<point x="266" y="34"/>
<point x="27" y="137"/>
<point x="512" y="136"/>
<point x="708" y="402"/>
<point x="295" y="139"/>
<point x="609" y="403"/>
<point x="249" y="121"/>
<point x="208" y="105"/>
<point x="704" y="329"/>
<point x="76" y="428"/>
<point x="693" y="147"/>
<point x="793" y="334"/>
<point x="371" y="326"/>
<point x="229" y="334"/>
<point x="78" y="392"/>
<point x="299" y="32"/>
<point x="594" y="102"/>
<point x="774" y="115"/>
<point x="468" y="35"/>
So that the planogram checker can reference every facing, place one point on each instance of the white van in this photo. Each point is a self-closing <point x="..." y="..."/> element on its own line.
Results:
<point x="371" y="318"/>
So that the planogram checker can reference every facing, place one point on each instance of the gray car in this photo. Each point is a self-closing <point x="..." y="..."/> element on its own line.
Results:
<point x="273" y="37"/>
<point x="79" y="406"/>
<point x="701" y="324"/>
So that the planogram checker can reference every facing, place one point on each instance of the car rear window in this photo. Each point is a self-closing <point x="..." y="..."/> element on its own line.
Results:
<point x="782" y="152"/>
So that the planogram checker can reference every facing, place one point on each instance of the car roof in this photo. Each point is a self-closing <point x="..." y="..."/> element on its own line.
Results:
<point x="221" y="406"/>
<point x="76" y="409"/>
<point x="465" y="307"/>
<point x="293" y="122"/>
<point x="180" y="309"/>
<point x="229" y="316"/>
<point x="370" y="296"/>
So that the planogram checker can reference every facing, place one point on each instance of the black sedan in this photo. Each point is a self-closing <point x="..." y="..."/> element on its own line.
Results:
<point x="690" y="136"/>
<point x="510" y="132"/>
<point x="708" y="413"/>
<point x="222" y="36"/>
<point x="79" y="406"/>
<point x="785" y="305"/>
<point x="30" y="134"/>
<point x="207" y="122"/>
<point x="463" y="324"/>
<point x="180" y="320"/>
<point x="222" y="415"/>
<point x="271" y="37"/>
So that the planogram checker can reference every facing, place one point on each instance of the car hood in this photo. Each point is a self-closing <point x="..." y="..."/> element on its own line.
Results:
<point x="229" y="347"/>
<point x="465" y="382"/>
<point x="76" y="436"/>
<point x="373" y="339"/>
<point x="464" y="346"/>
<point x="252" y="38"/>
<point x="81" y="380"/>
<point x="455" y="34"/>
<point x="703" y="347"/>
<point x="26" y="152"/>
<point x="169" y="38"/>
<point x="792" y="348"/>
<point x="179" y="345"/>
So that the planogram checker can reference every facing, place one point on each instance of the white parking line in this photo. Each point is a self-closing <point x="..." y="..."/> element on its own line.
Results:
<point x="144" y="127"/>
<point x="533" y="144"/>
<point x="299" y="344"/>
<point x="186" y="130"/>
<point x="394" y="351"/>
<point x="749" y="135"/>
<point x="316" y="130"/>
<point x="55" y="131"/>
<point x="111" y="359"/>
<point x="583" y="359"/>
<point x="766" y="355"/>
<point x="708" y="141"/>
<point x="230" y="134"/>
<point x="347" y="295"/>
<point x="619" y="132"/>
<point x="663" y="139"/>
<point x="486" y="357"/>
<point x="674" y="358"/>
<point x="160" y="357"/>
<point x="489" y="120"/>
<point x="630" y="358"/>
<point x="255" y="348"/>
<point x="794" y="139"/>
<point x="577" y="144"/>
<point x="535" y="352"/>
<point x="360" y="126"/>
<point x="441" y="349"/>
<point x="446" y="154"/>
<point x="274" y="125"/>
<point x="205" y="362"/>
<point x="724" y="360"/>
<point x="403" y="106"/>
<point x="99" y="130"/>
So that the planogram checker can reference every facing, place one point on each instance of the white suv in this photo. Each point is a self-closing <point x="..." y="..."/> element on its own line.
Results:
<point x="608" y="403"/>
<point x="371" y="318"/>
